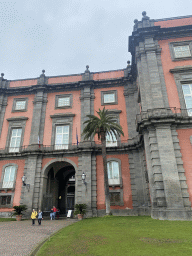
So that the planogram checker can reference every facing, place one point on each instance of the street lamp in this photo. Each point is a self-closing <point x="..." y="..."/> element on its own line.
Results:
<point x="83" y="178"/>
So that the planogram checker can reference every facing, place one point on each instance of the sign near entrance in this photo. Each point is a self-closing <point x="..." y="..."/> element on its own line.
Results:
<point x="69" y="213"/>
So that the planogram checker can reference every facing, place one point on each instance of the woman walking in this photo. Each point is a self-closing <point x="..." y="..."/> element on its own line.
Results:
<point x="40" y="217"/>
<point x="33" y="216"/>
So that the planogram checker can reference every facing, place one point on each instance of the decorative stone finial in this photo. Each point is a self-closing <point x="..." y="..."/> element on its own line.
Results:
<point x="43" y="71"/>
<point x="144" y="13"/>
<point x="135" y="21"/>
<point x="2" y="75"/>
<point x="87" y="69"/>
<point x="128" y="63"/>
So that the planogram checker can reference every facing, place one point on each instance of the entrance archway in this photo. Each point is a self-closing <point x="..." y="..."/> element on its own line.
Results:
<point x="59" y="186"/>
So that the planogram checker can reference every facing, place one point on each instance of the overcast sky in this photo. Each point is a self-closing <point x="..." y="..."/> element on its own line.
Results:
<point x="63" y="36"/>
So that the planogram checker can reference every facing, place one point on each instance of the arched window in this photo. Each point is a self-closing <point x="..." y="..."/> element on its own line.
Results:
<point x="113" y="172"/>
<point x="9" y="176"/>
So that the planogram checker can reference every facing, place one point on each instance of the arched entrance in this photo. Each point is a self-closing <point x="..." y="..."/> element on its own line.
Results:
<point x="59" y="186"/>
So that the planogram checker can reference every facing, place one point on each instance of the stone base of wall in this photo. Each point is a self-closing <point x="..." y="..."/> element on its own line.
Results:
<point x="6" y="215"/>
<point x="140" y="211"/>
<point x="171" y="214"/>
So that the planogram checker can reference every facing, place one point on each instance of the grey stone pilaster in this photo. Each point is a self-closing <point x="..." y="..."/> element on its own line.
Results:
<point x="93" y="186"/>
<point x="167" y="182"/>
<point x="87" y="103"/>
<point x="3" y="104"/>
<point x="39" y="110"/>
<point x="132" y="108"/>
<point x="37" y="117"/>
<point x="181" y="171"/>
<point x="3" y="100"/>
<point x="30" y="197"/>
<point x="139" y="187"/>
<point x="85" y="192"/>
<point x="150" y="75"/>
<point x="150" y="144"/>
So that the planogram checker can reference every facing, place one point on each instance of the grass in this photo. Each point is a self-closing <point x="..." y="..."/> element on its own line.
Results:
<point x="7" y="219"/>
<point x="121" y="236"/>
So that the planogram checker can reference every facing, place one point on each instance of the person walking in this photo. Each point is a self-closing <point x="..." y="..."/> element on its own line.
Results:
<point x="54" y="212"/>
<point x="40" y="217"/>
<point x="33" y="216"/>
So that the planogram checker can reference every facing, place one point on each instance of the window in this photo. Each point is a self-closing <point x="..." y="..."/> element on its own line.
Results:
<point x="63" y="101"/>
<point x="113" y="172"/>
<point x="20" y="104"/>
<point x="62" y="137"/>
<point x="187" y="92"/>
<point x="181" y="50"/>
<point x="5" y="200"/>
<point x="111" y="140"/>
<point x="109" y="98"/>
<point x="15" y="140"/>
<point x="115" y="198"/>
<point x="9" y="177"/>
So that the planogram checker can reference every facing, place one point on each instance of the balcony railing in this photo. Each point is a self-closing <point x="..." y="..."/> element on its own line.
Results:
<point x="68" y="147"/>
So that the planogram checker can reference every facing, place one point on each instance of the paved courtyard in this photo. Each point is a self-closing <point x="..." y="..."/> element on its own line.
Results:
<point x="20" y="237"/>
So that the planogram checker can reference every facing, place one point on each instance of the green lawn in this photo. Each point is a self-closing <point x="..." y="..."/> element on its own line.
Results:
<point x="7" y="219"/>
<point x="122" y="236"/>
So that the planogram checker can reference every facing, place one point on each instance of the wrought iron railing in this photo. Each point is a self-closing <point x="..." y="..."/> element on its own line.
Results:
<point x="67" y="147"/>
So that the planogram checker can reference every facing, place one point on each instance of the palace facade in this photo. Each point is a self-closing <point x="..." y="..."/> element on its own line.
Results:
<point x="44" y="157"/>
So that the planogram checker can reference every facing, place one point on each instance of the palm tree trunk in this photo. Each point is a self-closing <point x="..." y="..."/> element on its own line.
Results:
<point x="106" y="183"/>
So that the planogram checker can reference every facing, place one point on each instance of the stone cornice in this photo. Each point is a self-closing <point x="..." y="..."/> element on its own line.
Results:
<point x="61" y="86"/>
<point x="114" y="111"/>
<point x="157" y="33"/>
<point x="62" y="115"/>
<point x="158" y="117"/>
<point x="181" y="69"/>
<point x="17" y="118"/>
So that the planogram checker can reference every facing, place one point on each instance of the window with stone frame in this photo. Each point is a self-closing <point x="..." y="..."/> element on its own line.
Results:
<point x="187" y="92"/>
<point x="115" y="198"/>
<point x="113" y="172"/>
<point x="19" y="104"/>
<point x="15" y="134"/>
<point x="62" y="130"/>
<point x="111" y="140"/>
<point x="183" y="80"/>
<point x="63" y="101"/>
<point x="5" y="200"/>
<point x="9" y="177"/>
<point x="181" y="50"/>
<point x="109" y="97"/>
<point x="62" y="137"/>
<point x="15" y="140"/>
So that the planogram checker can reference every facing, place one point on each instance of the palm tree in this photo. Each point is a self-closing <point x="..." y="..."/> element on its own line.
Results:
<point x="102" y="126"/>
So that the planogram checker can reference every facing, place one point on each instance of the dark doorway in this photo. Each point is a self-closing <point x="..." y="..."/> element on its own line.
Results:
<point x="66" y="191"/>
<point x="60" y="188"/>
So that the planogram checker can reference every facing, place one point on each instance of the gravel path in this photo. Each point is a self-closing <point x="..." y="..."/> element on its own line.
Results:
<point x="20" y="237"/>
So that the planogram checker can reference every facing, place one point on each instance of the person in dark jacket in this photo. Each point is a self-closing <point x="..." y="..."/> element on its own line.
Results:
<point x="40" y="217"/>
